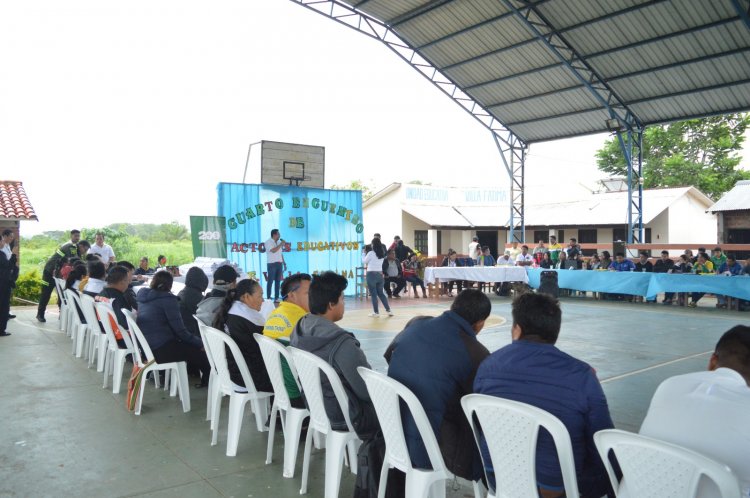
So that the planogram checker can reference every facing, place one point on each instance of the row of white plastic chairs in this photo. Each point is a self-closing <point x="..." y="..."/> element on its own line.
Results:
<point x="508" y="428"/>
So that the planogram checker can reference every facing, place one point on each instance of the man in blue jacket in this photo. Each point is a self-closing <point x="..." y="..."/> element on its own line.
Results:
<point x="437" y="359"/>
<point x="532" y="370"/>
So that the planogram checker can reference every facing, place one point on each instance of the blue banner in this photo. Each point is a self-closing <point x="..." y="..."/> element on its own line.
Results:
<point x="322" y="229"/>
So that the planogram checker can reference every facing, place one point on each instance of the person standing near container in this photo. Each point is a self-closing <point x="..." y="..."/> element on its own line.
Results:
<point x="276" y="264"/>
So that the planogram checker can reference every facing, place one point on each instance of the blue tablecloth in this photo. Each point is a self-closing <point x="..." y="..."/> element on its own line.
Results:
<point x="645" y="284"/>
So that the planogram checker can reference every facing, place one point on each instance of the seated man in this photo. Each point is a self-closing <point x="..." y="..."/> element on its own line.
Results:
<point x="452" y="261"/>
<point x="225" y="278"/>
<point x="524" y="258"/>
<point x="621" y="264"/>
<point x="393" y="274"/>
<point x="702" y="266"/>
<point x="665" y="265"/>
<point x="318" y="333"/>
<point x="532" y="370"/>
<point x="486" y="259"/>
<point x="436" y="358"/>
<point x="708" y="411"/>
<point x="295" y="303"/>
<point x="730" y="268"/>
<point x="143" y="268"/>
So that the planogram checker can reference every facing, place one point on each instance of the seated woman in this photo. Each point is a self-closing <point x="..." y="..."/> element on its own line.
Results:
<point x="546" y="261"/>
<point x="75" y="276"/>
<point x="97" y="273"/>
<point x="410" y="269"/>
<point x="239" y="316"/>
<point x="161" y="323"/>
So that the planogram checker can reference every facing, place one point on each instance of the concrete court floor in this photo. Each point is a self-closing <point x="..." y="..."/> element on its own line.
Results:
<point x="63" y="435"/>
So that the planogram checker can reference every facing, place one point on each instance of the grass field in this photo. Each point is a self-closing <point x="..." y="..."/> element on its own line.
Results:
<point x="34" y="256"/>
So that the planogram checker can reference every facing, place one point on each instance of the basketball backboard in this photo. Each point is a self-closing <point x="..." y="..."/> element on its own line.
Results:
<point x="292" y="164"/>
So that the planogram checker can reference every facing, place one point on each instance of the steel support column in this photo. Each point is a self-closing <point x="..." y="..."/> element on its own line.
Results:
<point x="513" y="154"/>
<point x="512" y="149"/>
<point x="631" y="143"/>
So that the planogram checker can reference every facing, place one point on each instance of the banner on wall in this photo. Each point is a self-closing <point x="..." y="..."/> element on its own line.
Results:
<point x="322" y="229"/>
<point x="209" y="236"/>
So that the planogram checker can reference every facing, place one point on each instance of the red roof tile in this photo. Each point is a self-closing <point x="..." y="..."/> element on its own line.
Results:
<point x="14" y="204"/>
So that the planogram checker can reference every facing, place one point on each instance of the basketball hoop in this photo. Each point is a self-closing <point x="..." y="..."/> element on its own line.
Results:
<point x="294" y="172"/>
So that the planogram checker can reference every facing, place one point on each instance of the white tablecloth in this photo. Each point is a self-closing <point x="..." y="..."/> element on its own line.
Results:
<point x="476" y="273"/>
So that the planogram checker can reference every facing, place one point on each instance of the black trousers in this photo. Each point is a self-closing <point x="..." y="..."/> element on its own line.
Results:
<point x="48" y="285"/>
<point x="400" y="285"/>
<point x="179" y="351"/>
<point x="5" y="293"/>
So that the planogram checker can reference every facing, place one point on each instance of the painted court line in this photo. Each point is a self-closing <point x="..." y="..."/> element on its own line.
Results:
<point x="653" y="367"/>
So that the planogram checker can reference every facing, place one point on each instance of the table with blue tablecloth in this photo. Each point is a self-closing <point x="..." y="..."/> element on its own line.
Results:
<point x="645" y="284"/>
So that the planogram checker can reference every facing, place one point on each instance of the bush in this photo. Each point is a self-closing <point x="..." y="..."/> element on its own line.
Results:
<point x="28" y="287"/>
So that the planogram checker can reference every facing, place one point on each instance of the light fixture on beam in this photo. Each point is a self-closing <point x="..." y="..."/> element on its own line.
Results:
<point x="614" y="125"/>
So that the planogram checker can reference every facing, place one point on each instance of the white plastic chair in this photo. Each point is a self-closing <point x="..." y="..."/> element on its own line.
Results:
<point x="291" y="422"/>
<point x="510" y="430"/>
<point x="96" y="343"/>
<point x="178" y="368"/>
<point x="385" y="394"/>
<point x="64" y="306"/>
<point x="218" y="343"/>
<point x="212" y="390"/>
<point x="114" y="357"/>
<point x="79" y="329"/>
<point x="657" y="469"/>
<point x="310" y="368"/>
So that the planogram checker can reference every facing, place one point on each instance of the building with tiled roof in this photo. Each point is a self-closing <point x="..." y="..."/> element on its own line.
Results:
<point x="14" y="203"/>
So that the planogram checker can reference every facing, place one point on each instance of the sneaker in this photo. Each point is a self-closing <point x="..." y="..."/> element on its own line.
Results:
<point x="4" y="334"/>
<point x="373" y="314"/>
<point x="389" y="313"/>
<point x="41" y="319"/>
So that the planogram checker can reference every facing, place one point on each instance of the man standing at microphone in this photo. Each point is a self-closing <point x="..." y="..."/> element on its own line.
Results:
<point x="276" y="263"/>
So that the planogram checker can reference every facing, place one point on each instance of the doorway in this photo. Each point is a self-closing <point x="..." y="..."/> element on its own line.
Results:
<point x="488" y="238"/>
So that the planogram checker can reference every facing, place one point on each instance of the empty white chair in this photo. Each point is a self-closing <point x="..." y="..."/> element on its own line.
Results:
<point x="385" y="394"/>
<point x="309" y="367"/>
<point x="218" y="343"/>
<point x="79" y="329"/>
<point x="212" y="391"/>
<point x="96" y="343"/>
<point x="510" y="430"/>
<point x="178" y="368"/>
<point x="114" y="357"/>
<point x="657" y="469"/>
<point x="292" y="418"/>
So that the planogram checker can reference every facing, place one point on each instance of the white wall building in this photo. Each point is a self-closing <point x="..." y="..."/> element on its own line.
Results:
<point x="434" y="219"/>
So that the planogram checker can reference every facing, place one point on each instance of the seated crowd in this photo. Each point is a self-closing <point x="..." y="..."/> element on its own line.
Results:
<point x="439" y="359"/>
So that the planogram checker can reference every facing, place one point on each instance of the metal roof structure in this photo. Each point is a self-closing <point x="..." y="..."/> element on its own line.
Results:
<point x="536" y="70"/>
<point x="736" y="199"/>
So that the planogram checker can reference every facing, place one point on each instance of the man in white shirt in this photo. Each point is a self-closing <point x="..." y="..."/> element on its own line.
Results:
<point x="524" y="259"/>
<point x="275" y="264"/>
<point x="473" y="249"/>
<point x="709" y="412"/>
<point x="505" y="260"/>
<point x="104" y="251"/>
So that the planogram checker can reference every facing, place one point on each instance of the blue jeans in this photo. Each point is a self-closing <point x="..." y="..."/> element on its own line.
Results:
<point x="275" y="273"/>
<point x="375" y="282"/>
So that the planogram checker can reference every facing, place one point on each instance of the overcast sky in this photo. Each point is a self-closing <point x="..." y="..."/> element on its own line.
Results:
<point x="134" y="111"/>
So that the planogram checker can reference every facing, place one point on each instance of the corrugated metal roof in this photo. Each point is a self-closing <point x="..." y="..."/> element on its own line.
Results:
<point x="14" y="203"/>
<point x="734" y="200"/>
<point x="438" y="216"/>
<point x="664" y="59"/>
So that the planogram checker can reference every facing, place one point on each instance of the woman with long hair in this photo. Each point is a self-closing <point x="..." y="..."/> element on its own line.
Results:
<point x="239" y="316"/>
<point x="161" y="323"/>
<point x="373" y="261"/>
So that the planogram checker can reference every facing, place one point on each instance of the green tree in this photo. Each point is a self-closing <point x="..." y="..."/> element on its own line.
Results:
<point x="703" y="153"/>
<point x="367" y="191"/>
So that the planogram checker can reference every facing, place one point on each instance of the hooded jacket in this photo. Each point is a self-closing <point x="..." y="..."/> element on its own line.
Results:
<point x="196" y="283"/>
<point x="241" y="325"/>
<point x="338" y="348"/>
<point x="437" y="359"/>
<point x="160" y="321"/>
<point x="208" y="307"/>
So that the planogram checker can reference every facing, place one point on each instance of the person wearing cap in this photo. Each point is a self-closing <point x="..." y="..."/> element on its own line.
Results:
<point x="505" y="259"/>
<point x="225" y="278"/>
<point x="295" y="303"/>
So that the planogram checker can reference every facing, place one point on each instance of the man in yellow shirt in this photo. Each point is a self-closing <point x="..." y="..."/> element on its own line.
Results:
<point x="281" y="322"/>
<point x="703" y="265"/>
